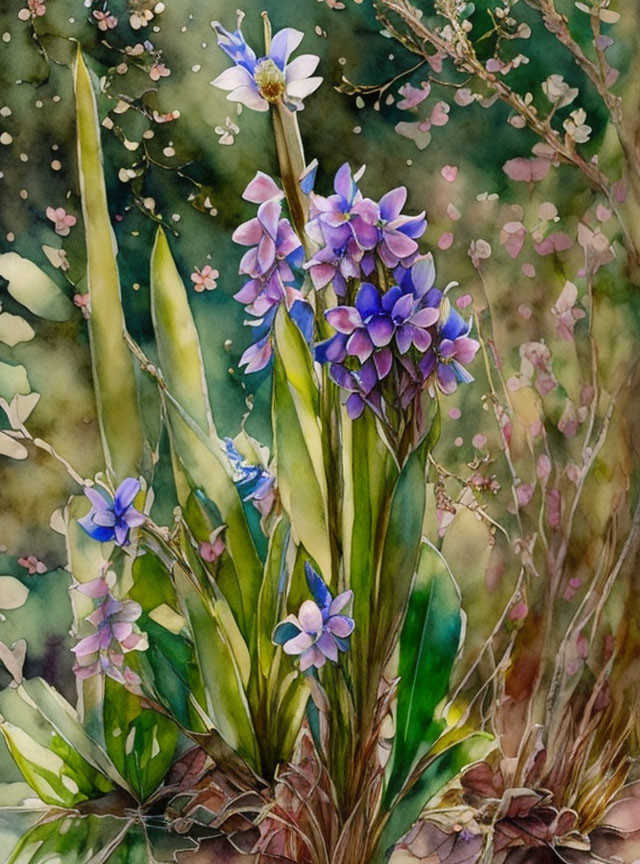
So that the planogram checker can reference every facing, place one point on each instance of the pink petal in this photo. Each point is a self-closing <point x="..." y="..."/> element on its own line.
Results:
<point x="327" y="645"/>
<point x="249" y="233"/>
<point x="261" y="189"/>
<point x="340" y="626"/>
<point x="344" y="319"/>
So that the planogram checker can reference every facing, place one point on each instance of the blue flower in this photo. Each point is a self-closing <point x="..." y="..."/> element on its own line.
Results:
<point x="254" y="482"/>
<point x="318" y="631"/>
<point x="112" y="518"/>
<point x="261" y="82"/>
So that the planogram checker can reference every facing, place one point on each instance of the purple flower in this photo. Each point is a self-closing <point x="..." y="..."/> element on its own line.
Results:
<point x="275" y="250"/>
<point x="452" y="349"/>
<point x="343" y="225"/>
<point x="261" y="82"/>
<point x="319" y="631"/>
<point x="116" y="635"/>
<point x="377" y="333"/>
<point x="112" y="518"/>
<point x="397" y="232"/>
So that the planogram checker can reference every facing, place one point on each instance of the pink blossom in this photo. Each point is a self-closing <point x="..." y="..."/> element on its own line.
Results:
<point x="558" y="241"/>
<point x="526" y="170"/>
<point x="158" y="71"/>
<point x="543" y="468"/>
<point x="34" y="9"/>
<point x="449" y="172"/>
<point x="554" y="507"/>
<point x="32" y="564"/>
<point x="213" y="548"/>
<point x="106" y="21"/>
<point x="205" y="279"/>
<point x="524" y="493"/>
<point x="62" y="220"/>
<point x="512" y="237"/>
<point x="565" y="312"/>
<point x="479" y="441"/>
<point x="519" y="611"/>
<point x="445" y="240"/>
<point x="413" y="96"/>
<point x="572" y="588"/>
<point x="535" y="362"/>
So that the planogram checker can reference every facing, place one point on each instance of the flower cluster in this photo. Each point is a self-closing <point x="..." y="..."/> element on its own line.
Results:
<point x="274" y="250"/>
<point x="255" y="482"/>
<point x="318" y="631"/>
<point x="112" y="518"/>
<point x="350" y="228"/>
<point x="261" y="82"/>
<point x="391" y="343"/>
<point x="116" y="635"/>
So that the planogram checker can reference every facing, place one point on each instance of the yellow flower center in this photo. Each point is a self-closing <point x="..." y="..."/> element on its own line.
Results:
<point x="270" y="80"/>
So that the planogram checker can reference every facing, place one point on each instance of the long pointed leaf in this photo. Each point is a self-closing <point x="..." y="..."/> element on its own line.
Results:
<point x="429" y="643"/>
<point x="298" y="443"/>
<point x="113" y="371"/>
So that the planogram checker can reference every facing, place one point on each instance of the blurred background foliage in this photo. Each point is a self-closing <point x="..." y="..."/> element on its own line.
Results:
<point x="189" y="173"/>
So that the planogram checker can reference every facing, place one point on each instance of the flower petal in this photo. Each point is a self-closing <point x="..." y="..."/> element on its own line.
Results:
<point x="298" y="644"/>
<point x="303" y="88"/>
<point x="341" y="626"/>
<point x="283" y="44"/>
<point x="327" y="645"/>
<point x="310" y="617"/>
<point x="125" y="493"/>
<point x="339" y="602"/>
<point x="250" y="97"/>
<point x="344" y="319"/>
<point x="302" y="67"/>
<point x="231" y="79"/>
<point x="392" y="203"/>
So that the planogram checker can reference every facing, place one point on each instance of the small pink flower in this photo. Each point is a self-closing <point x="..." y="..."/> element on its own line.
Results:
<point x="106" y="21"/>
<point x="158" y="71"/>
<point x="212" y="549"/>
<point x="34" y="9"/>
<point x="519" y="611"/>
<point x="32" y="564"/>
<point x="205" y="279"/>
<point x="62" y="220"/>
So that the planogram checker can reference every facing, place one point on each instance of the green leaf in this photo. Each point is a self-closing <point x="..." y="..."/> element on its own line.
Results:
<point x="226" y="701"/>
<point x="113" y="372"/>
<point x="370" y="474"/>
<point x="400" y="551"/>
<point x="56" y="757"/>
<point x="444" y="768"/>
<point x="14" y="329"/>
<point x="298" y="443"/>
<point x="429" y="643"/>
<point x="31" y="287"/>
<point x="199" y="460"/>
<point x="272" y="599"/>
<point x="80" y="840"/>
<point x="140" y="741"/>
<point x="13" y="379"/>
<point x="177" y="338"/>
<point x="13" y="594"/>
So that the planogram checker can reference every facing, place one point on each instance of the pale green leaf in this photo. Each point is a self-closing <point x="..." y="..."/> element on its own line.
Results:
<point x="14" y="329"/>
<point x="31" y="287"/>
<point x="13" y="594"/>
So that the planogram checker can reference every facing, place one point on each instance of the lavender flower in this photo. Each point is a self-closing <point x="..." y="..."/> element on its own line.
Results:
<point x="255" y="482"/>
<point x="343" y="225"/>
<point x="376" y="335"/>
<point x="276" y="249"/>
<point x="116" y="635"/>
<point x="349" y="228"/>
<point x="451" y="349"/>
<point x="319" y="631"/>
<point x="112" y="518"/>
<point x="397" y="243"/>
<point x="261" y="82"/>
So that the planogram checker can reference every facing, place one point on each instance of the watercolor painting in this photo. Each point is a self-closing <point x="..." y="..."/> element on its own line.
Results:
<point x="319" y="432"/>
